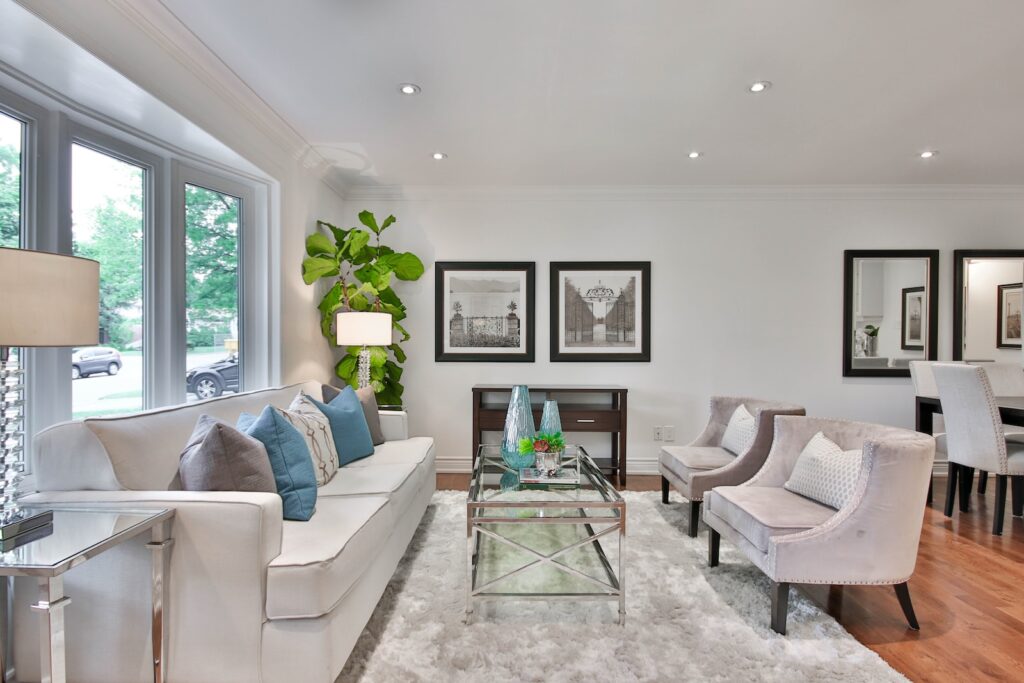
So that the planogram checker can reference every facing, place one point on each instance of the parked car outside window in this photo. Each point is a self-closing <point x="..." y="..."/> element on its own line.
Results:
<point x="93" y="360"/>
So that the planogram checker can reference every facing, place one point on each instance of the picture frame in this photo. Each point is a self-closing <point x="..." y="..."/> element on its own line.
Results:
<point x="601" y="311"/>
<point x="484" y="311"/>
<point x="1008" y="315"/>
<point x="913" y="318"/>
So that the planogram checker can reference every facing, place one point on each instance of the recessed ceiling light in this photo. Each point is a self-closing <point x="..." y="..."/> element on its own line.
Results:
<point x="694" y="155"/>
<point x="409" y="89"/>
<point x="760" y="86"/>
<point x="440" y="156"/>
<point x="929" y="153"/>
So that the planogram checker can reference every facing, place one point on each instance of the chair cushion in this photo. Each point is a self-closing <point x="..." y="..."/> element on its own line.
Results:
<point x="740" y="431"/>
<point x="218" y="457"/>
<point x="289" y="459"/>
<point x="321" y="559"/>
<point x="759" y="512"/>
<point x="825" y="472"/>
<point x="1014" y="458"/>
<point x="399" y="483"/>
<point x="411" y="451"/>
<point x="683" y="461"/>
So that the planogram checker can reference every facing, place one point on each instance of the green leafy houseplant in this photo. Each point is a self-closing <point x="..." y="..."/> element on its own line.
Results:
<point x="542" y="443"/>
<point x="361" y="280"/>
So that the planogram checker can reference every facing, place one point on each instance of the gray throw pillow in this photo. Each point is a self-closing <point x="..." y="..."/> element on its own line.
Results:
<point x="218" y="457"/>
<point x="370" y="411"/>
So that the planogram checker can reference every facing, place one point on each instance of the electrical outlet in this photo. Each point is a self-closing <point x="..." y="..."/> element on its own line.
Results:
<point x="669" y="432"/>
<point x="657" y="434"/>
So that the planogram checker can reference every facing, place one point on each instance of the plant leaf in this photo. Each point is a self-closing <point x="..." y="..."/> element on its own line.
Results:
<point x="331" y="299"/>
<point x="399" y="352"/>
<point x="346" y="368"/>
<point x="394" y="370"/>
<point x="396" y="312"/>
<point x="369" y="220"/>
<point x="319" y="243"/>
<point x="406" y="266"/>
<point x="378" y="356"/>
<point x="405" y="335"/>
<point x="354" y="242"/>
<point x="387" y="221"/>
<point x="316" y="267"/>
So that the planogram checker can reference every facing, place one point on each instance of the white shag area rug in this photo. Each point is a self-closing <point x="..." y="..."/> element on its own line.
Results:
<point x="685" y="621"/>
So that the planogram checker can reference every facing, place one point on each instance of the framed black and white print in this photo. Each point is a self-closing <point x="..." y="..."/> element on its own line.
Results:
<point x="913" y="319"/>
<point x="601" y="311"/>
<point x="1008" y="333"/>
<point x="484" y="311"/>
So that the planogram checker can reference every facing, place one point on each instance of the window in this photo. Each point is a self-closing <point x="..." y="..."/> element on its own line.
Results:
<point x="212" y="315"/>
<point x="12" y="134"/>
<point x="108" y="225"/>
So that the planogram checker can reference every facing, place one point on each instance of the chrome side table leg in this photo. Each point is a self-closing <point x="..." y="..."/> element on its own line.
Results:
<point x="50" y="607"/>
<point x="160" y="545"/>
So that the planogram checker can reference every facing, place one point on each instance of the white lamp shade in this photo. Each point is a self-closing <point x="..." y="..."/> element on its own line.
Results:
<point x="359" y="329"/>
<point x="48" y="299"/>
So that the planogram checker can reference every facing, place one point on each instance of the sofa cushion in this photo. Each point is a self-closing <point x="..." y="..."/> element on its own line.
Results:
<point x="399" y="483"/>
<point x="218" y="457"/>
<point x="410" y="451"/>
<point x="351" y="432"/>
<point x="368" y="399"/>
<point x="289" y="459"/>
<point x="321" y="559"/>
<point x="759" y="513"/>
<point x="684" y="461"/>
<point x="315" y="428"/>
<point x="740" y="431"/>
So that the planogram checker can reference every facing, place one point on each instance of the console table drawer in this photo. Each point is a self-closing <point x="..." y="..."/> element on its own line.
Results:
<point x="590" y="420"/>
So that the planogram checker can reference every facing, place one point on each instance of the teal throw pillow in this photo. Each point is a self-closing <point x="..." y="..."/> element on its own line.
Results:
<point x="289" y="459"/>
<point x="348" y="424"/>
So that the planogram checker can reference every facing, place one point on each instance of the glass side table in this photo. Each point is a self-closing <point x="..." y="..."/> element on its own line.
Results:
<point x="79" y="534"/>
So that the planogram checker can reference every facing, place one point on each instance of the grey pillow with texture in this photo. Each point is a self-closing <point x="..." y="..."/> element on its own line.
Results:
<point x="370" y="411"/>
<point x="218" y="457"/>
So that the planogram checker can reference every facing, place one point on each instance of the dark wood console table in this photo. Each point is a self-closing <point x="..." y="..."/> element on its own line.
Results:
<point x="610" y="416"/>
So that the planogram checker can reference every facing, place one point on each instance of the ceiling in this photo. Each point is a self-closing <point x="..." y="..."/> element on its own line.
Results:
<point x="606" y="92"/>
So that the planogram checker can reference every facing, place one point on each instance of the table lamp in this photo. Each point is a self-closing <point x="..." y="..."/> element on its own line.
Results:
<point x="357" y="328"/>
<point x="49" y="300"/>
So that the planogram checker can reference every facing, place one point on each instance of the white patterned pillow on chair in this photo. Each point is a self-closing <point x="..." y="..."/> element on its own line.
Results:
<point x="316" y="430"/>
<point x="739" y="433"/>
<point x="824" y="472"/>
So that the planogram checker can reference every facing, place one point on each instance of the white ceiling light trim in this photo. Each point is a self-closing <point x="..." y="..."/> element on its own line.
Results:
<point x="694" y="154"/>
<point x="439" y="156"/>
<point x="929" y="153"/>
<point x="760" y="86"/>
<point x="409" y="89"/>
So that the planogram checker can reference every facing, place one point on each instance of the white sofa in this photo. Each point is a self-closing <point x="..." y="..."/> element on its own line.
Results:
<point x="252" y="597"/>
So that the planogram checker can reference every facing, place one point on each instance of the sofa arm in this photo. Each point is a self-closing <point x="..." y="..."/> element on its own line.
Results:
<point x="394" y="424"/>
<point x="874" y="538"/>
<point x="223" y="542"/>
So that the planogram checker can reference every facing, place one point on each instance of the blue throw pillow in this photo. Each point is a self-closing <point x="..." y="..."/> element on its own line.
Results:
<point x="348" y="424"/>
<point x="289" y="459"/>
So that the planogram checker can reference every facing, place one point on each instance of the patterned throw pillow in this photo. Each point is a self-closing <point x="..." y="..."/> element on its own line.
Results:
<point x="315" y="428"/>
<point x="739" y="433"/>
<point x="825" y="472"/>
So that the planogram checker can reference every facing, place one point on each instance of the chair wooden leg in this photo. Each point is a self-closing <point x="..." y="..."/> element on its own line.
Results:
<point x="664" y="490"/>
<point x="1017" y="487"/>
<point x="780" y="606"/>
<point x="997" y="521"/>
<point x="903" y="595"/>
<point x="694" y="517"/>
<point x="951" y="482"/>
<point x="982" y="482"/>
<point x="966" y="484"/>
<point x="714" y="544"/>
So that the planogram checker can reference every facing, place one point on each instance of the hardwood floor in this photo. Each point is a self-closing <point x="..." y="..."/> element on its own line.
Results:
<point x="968" y="592"/>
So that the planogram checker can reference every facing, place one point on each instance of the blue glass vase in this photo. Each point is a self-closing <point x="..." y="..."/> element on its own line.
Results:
<point x="550" y="421"/>
<point x="518" y="425"/>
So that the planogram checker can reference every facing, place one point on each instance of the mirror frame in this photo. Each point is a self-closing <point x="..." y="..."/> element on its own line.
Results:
<point x="960" y="257"/>
<point x="932" y="353"/>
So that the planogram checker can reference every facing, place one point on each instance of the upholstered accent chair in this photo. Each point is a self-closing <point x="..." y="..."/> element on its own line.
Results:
<point x="872" y="539"/>
<point x="976" y="439"/>
<point x="696" y="468"/>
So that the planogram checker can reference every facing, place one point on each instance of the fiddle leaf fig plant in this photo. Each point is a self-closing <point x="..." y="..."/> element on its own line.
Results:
<point x="360" y="271"/>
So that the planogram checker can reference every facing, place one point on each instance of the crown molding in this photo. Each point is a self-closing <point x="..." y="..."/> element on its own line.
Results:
<point x="670" y="193"/>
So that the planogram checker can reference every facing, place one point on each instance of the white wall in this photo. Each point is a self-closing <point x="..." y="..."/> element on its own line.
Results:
<point x="983" y="279"/>
<point x="747" y="293"/>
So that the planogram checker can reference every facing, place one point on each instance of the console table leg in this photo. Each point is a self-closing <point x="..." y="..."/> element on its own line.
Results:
<point x="50" y="608"/>
<point x="160" y="545"/>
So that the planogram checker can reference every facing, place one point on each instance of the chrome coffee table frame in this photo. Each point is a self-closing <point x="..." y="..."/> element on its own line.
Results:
<point x="484" y="519"/>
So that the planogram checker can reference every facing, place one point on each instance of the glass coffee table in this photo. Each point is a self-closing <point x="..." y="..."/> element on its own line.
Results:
<point x="562" y="541"/>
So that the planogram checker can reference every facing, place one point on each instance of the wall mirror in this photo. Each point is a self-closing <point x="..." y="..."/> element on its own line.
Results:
<point x="987" y="291"/>
<point x="890" y="311"/>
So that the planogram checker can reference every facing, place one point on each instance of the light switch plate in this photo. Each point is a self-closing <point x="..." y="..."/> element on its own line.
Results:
<point x="657" y="434"/>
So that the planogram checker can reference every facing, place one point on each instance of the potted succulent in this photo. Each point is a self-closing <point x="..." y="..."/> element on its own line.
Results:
<point x="871" y="340"/>
<point x="547" y="448"/>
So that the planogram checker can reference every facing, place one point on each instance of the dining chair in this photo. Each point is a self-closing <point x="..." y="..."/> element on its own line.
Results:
<point x="975" y="439"/>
